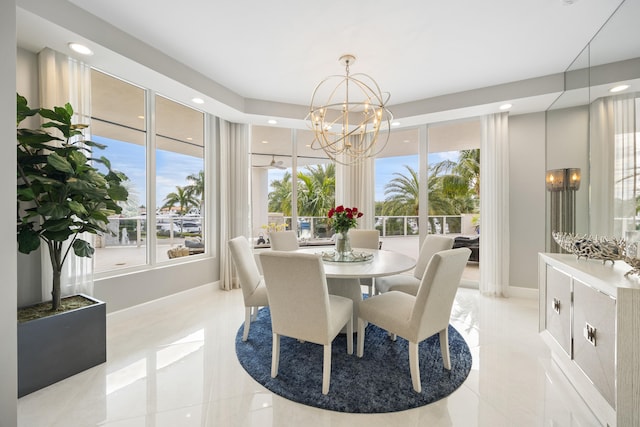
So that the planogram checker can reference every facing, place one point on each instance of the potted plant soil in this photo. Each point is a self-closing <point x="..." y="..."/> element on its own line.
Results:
<point x="61" y="195"/>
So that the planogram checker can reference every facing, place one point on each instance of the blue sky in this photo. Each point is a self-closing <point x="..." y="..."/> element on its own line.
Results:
<point x="172" y="168"/>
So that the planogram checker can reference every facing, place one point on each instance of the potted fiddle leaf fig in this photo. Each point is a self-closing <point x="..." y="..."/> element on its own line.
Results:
<point x="61" y="196"/>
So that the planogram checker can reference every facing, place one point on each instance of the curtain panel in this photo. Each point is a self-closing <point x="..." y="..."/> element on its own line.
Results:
<point x="235" y="194"/>
<point x="613" y="166"/>
<point x="494" y="201"/>
<point x="64" y="79"/>
<point x="355" y="186"/>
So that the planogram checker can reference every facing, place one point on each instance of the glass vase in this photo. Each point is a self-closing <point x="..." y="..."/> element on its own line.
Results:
<point x="343" y="245"/>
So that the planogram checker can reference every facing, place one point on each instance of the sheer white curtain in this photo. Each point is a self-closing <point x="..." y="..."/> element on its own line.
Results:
<point x="235" y="212"/>
<point x="494" y="205"/>
<point x="601" y="159"/>
<point x="626" y="173"/>
<point x="614" y="169"/>
<point x="355" y="186"/>
<point x="64" y="79"/>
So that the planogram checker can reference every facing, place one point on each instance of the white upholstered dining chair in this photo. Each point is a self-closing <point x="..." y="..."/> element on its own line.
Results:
<point x="254" y="290"/>
<point x="283" y="240"/>
<point x="416" y="318"/>
<point x="365" y="239"/>
<point x="432" y="244"/>
<point x="301" y="306"/>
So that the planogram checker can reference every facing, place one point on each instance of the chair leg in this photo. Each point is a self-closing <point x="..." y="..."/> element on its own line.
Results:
<point x="393" y="336"/>
<point x="254" y="314"/>
<point x="275" y="355"/>
<point x="414" y="367"/>
<point x="247" y="323"/>
<point x="444" y="348"/>
<point x="326" y="369"/>
<point x="360" y="337"/>
<point x="350" y="335"/>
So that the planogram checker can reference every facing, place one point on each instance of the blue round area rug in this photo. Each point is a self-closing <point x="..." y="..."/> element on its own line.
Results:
<point x="378" y="382"/>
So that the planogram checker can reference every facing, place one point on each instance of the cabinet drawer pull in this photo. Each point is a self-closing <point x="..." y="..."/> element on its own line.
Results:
<point x="590" y="334"/>
<point x="556" y="305"/>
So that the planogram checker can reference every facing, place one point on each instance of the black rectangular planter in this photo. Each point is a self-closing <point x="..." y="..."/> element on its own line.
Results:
<point x="56" y="347"/>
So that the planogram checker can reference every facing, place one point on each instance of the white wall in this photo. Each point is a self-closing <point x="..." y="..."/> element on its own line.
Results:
<point x="8" y="246"/>
<point x="526" y="197"/>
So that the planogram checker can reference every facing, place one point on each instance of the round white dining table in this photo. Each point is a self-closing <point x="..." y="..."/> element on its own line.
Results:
<point x="343" y="277"/>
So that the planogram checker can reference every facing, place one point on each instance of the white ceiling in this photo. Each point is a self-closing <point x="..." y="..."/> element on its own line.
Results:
<point x="279" y="50"/>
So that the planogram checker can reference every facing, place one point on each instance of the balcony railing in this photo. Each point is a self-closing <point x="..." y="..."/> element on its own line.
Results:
<point x="133" y="230"/>
<point x="319" y="227"/>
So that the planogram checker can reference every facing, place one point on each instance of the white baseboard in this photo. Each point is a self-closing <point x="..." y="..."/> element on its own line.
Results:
<point x="472" y="284"/>
<point x="512" y="291"/>
<point x="520" y="292"/>
<point x="170" y="300"/>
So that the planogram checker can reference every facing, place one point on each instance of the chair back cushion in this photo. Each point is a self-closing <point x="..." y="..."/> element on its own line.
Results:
<point x="283" y="240"/>
<point x="432" y="308"/>
<point x="245" y="262"/>
<point x="298" y="296"/>
<point x="367" y="239"/>
<point x="432" y="243"/>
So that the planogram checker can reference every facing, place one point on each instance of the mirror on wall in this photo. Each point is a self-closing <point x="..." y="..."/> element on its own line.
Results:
<point x="614" y="71"/>
<point x="567" y="139"/>
<point x="594" y="130"/>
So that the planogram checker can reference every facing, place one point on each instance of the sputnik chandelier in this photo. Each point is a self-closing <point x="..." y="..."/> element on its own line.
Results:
<point x="348" y="116"/>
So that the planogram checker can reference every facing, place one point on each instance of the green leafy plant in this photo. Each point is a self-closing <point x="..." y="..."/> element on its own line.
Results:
<point x="60" y="193"/>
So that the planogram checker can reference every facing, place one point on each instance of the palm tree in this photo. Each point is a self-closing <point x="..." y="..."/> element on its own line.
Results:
<point x="196" y="188"/>
<point x="280" y="196"/>
<point x="449" y="192"/>
<point x="454" y="187"/>
<point x="316" y="189"/>
<point x="181" y="197"/>
<point x="402" y="194"/>
<point x="468" y="167"/>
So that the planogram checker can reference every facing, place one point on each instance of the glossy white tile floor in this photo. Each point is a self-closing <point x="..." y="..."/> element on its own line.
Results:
<point x="173" y="364"/>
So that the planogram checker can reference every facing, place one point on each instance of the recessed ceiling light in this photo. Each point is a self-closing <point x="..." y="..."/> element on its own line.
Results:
<point x="189" y="138"/>
<point x="80" y="48"/>
<point x="505" y="106"/>
<point x="141" y="117"/>
<point x="198" y="100"/>
<point x="395" y="124"/>
<point x="308" y="145"/>
<point x="265" y="142"/>
<point x="619" y="88"/>
<point x="406" y="141"/>
<point x="272" y="122"/>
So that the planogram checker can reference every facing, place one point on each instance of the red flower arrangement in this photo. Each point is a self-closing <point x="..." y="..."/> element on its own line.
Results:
<point x="343" y="218"/>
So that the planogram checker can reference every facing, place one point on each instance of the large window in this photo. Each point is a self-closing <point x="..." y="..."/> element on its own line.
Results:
<point x="397" y="193"/>
<point x="120" y="118"/>
<point x="180" y="179"/>
<point x="293" y="185"/>
<point x="118" y="121"/>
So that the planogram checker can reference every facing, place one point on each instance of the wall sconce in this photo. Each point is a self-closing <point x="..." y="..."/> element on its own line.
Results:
<point x="562" y="184"/>
<point x="563" y="179"/>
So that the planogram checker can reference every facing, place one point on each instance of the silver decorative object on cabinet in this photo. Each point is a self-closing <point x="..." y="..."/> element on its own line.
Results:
<point x="583" y="246"/>
<point x="602" y="248"/>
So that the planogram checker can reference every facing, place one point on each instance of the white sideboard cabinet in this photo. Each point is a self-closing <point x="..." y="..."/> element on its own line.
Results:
<point x="590" y="319"/>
